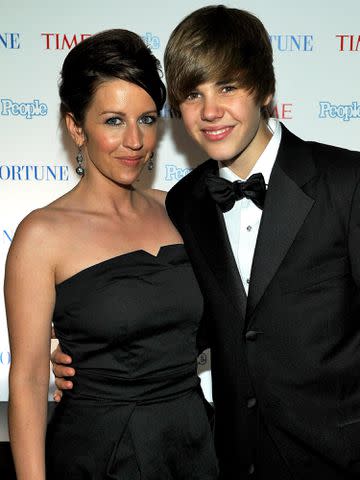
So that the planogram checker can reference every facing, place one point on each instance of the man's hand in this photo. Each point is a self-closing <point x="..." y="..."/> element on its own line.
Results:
<point x="59" y="362"/>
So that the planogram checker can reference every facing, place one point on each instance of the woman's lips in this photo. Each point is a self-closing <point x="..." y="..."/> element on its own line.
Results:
<point x="130" y="161"/>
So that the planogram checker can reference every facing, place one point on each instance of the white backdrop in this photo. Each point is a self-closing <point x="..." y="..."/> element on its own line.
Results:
<point x="317" y="64"/>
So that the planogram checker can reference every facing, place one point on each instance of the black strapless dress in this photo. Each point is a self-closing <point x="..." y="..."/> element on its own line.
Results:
<point x="136" y="411"/>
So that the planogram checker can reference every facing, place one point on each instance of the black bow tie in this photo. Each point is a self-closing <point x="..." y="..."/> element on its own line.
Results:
<point x="225" y="193"/>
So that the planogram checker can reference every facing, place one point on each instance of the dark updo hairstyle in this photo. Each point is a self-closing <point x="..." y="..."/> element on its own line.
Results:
<point x="111" y="54"/>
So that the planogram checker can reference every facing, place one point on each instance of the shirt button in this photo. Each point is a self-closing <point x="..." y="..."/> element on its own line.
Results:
<point x="249" y="228"/>
<point x="248" y="281"/>
<point x="251" y="335"/>
<point x="251" y="402"/>
<point x="251" y="469"/>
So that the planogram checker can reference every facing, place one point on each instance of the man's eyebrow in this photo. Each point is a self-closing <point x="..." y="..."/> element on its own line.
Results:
<point x="225" y="82"/>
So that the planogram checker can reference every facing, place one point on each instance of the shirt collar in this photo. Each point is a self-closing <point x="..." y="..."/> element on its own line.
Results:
<point x="266" y="160"/>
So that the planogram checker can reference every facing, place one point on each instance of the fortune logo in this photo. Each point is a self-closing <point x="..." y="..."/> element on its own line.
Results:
<point x="10" y="41"/>
<point x="39" y="173"/>
<point x="5" y="358"/>
<point x="292" y="43"/>
<point x="7" y="236"/>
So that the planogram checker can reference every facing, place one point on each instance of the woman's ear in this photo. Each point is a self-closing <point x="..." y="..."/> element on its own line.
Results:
<point x="75" y="130"/>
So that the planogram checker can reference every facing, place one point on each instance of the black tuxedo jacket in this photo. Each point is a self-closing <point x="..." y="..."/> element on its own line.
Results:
<point x="288" y="355"/>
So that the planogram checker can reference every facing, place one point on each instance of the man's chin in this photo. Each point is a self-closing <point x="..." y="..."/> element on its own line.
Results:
<point x="220" y="156"/>
<point x="225" y="160"/>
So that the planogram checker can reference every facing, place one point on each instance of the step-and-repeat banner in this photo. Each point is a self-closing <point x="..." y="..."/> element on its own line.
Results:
<point x="317" y="64"/>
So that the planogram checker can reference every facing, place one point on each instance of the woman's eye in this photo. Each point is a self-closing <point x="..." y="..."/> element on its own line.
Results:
<point x="148" y="119"/>
<point x="113" y="121"/>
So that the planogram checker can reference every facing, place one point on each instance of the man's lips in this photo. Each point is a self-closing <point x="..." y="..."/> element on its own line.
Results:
<point x="218" y="133"/>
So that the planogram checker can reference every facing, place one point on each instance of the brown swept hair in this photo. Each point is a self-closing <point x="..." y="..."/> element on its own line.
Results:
<point x="219" y="44"/>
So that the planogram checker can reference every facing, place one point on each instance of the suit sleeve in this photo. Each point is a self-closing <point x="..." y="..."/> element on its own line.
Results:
<point x="202" y="338"/>
<point x="170" y="206"/>
<point x="354" y="236"/>
<point x="172" y="202"/>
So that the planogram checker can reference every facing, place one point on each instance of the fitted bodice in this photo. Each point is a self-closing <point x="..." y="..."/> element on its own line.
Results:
<point x="136" y="411"/>
<point x="131" y="318"/>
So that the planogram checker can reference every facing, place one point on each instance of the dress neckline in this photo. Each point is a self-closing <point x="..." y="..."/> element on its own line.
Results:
<point x="117" y="257"/>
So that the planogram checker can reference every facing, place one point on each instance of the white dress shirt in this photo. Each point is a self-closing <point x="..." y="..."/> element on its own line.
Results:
<point x="243" y="220"/>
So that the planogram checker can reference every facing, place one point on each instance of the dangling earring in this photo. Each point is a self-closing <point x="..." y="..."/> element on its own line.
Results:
<point x="150" y="164"/>
<point x="80" y="170"/>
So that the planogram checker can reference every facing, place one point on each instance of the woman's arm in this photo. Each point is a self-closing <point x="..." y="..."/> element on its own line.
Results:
<point x="29" y="299"/>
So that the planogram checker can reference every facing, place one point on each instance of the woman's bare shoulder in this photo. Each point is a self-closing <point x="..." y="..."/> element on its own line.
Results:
<point x="48" y="217"/>
<point x="156" y="194"/>
<point x="38" y="227"/>
<point x="32" y="246"/>
<point x="37" y="224"/>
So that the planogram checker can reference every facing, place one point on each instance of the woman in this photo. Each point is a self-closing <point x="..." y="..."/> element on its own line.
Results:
<point x="107" y="267"/>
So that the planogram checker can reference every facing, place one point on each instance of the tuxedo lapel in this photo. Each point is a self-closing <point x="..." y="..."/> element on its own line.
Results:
<point x="209" y="231"/>
<point x="286" y="207"/>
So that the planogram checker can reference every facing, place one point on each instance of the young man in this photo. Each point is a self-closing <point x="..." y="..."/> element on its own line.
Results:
<point x="277" y="259"/>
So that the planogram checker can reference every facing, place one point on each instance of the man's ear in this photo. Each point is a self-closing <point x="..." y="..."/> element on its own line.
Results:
<point x="75" y="130"/>
<point x="268" y="100"/>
